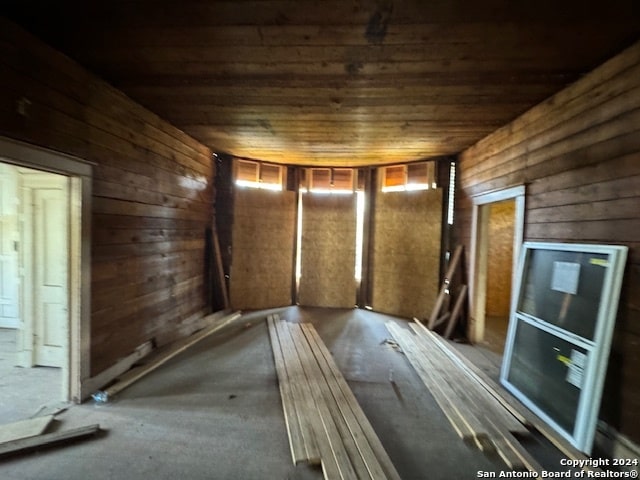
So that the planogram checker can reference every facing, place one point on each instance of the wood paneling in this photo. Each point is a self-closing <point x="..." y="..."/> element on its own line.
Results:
<point x="406" y="252"/>
<point x="328" y="251"/>
<point x="152" y="190"/>
<point x="579" y="155"/>
<point x="332" y="82"/>
<point x="262" y="248"/>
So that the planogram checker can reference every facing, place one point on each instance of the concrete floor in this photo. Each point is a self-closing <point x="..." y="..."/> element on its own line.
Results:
<point x="23" y="391"/>
<point x="214" y="412"/>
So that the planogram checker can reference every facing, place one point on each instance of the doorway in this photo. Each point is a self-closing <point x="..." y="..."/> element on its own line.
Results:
<point x="44" y="276"/>
<point x="497" y="234"/>
<point x="34" y="286"/>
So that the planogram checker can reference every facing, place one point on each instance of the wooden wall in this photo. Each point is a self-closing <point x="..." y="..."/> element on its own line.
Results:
<point x="262" y="248"/>
<point x="328" y="251"/>
<point x="579" y="155"/>
<point x="406" y="252"/>
<point x="152" y="191"/>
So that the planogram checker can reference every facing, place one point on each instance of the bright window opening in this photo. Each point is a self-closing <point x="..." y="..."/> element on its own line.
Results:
<point x="409" y="177"/>
<point x="452" y="193"/>
<point x="329" y="181"/>
<point x="360" y="206"/>
<point x="254" y="174"/>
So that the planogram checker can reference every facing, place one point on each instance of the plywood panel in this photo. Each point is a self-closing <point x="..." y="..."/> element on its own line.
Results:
<point x="578" y="153"/>
<point x="328" y="251"/>
<point x="406" y="252"/>
<point x="500" y="258"/>
<point x="262" y="255"/>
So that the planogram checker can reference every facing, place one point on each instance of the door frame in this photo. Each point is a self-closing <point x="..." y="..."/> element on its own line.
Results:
<point x="80" y="174"/>
<point x="479" y="251"/>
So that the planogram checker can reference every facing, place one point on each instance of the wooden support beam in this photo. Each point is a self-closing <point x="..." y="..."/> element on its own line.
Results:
<point x="222" y="281"/>
<point x="445" y="286"/>
<point x="455" y="313"/>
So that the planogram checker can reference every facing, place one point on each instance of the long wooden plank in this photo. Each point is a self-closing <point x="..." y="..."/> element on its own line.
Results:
<point x="100" y="380"/>
<point x="512" y="451"/>
<point x="24" y="428"/>
<point x="467" y="386"/>
<point x="27" y="444"/>
<point x="221" y="280"/>
<point x="467" y="429"/>
<point x="179" y="347"/>
<point x="512" y="405"/>
<point x="299" y="395"/>
<point x="461" y="393"/>
<point x="457" y="310"/>
<point x="299" y="452"/>
<point x="302" y="392"/>
<point x="443" y="290"/>
<point x="457" y="395"/>
<point x="495" y="425"/>
<point x="352" y="412"/>
<point x="342" y="442"/>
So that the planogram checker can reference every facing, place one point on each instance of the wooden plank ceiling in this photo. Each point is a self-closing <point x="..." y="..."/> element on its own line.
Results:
<point x="336" y="82"/>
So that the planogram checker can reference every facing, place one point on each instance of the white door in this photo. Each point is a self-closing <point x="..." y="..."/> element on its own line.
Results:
<point x="8" y="247"/>
<point x="46" y="267"/>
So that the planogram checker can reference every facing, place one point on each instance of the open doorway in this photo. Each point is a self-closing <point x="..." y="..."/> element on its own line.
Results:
<point x="497" y="233"/>
<point x="43" y="290"/>
<point x="34" y="286"/>
<point x="500" y="264"/>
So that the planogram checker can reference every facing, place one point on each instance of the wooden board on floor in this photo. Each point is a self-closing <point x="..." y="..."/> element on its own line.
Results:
<point x="347" y="399"/>
<point x="515" y="408"/>
<point x="24" y="428"/>
<point x="41" y="441"/>
<point x="463" y="400"/>
<point x="348" y="445"/>
<point x="180" y="346"/>
<point x="297" y="429"/>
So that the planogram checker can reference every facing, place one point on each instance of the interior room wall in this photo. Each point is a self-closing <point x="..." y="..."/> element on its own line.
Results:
<point x="152" y="194"/>
<point x="578" y="153"/>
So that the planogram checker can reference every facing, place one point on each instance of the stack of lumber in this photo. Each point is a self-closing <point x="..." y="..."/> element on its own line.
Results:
<point x="325" y="423"/>
<point x="475" y="414"/>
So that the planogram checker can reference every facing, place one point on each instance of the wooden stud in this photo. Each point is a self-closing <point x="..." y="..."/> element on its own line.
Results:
<point x="445" y="286"/>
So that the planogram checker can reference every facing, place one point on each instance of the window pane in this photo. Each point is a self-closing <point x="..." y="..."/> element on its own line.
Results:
<point x="544" y="368"/>
<point x="564" y="289"/>
<point x="343" y="178"/>
<point x="271" y="174"/>
<point x="320" y="178"/>
<point x="393" y="176"/>
<point x="418" y="173"/>
<point x="247" y="171"/>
